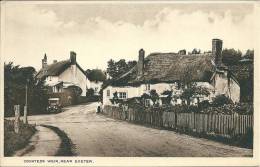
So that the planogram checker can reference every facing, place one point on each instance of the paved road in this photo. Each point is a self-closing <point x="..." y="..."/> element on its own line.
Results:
<point x="96" y="135"/>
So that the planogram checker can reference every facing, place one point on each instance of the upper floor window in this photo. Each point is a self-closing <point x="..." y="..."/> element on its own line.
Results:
<point x="122" y="95"/>
<point x="108" y="93"/>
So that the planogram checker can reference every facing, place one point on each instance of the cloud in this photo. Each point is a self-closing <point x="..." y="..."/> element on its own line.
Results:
<point x="30" y="32"/>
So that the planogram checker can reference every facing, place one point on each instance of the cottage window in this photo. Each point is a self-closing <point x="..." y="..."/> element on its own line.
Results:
<point x="148" y="86"/>
<point x="108" y="93"/>
<point x="122" y="95"/>
<point x="147" y="102"/>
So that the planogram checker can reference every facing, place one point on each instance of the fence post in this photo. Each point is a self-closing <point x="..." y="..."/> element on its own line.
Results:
<point x="17" y="118"/>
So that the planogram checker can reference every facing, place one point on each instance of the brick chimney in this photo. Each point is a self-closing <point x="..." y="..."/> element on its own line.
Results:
<point x="140" y="63"/>
<point x="73" y="57"/>
<point x="217" y="51"/>
<point x="44" y="61"/>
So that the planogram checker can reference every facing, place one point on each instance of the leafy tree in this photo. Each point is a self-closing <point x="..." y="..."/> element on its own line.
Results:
<point x="96" y="75"/>
<point x="249" y="54"/>
<point x="231" y="56"/>
<point x="15" y="80"/>
<point x="115" y="69"/>
<point x="195" y="51"/>
<point x="190" y="88"/>
<point x="111" y="68"/>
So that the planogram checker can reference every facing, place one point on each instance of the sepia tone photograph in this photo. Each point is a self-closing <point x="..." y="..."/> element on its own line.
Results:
<point x="127" y="79"/>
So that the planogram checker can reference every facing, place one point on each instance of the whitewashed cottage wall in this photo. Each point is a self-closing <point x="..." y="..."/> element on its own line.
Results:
<point x="75" y="75"/>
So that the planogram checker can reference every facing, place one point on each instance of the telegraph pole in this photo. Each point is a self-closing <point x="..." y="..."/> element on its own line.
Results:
<point x="26" y="103"/>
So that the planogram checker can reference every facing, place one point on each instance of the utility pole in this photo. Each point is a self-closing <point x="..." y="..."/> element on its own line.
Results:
<point x="26" y="103"/>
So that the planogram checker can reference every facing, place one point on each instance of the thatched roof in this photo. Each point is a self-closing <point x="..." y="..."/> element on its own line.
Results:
<point x="169" y="67"/>
<point x="55" y="69"/>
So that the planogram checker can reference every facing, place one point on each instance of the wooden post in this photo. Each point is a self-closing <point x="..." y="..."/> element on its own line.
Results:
<point x="17" y="118"/>
<point x="25" y="121"/>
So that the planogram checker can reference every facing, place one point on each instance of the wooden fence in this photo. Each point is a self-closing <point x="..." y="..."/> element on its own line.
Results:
<point x="215" y="124"/>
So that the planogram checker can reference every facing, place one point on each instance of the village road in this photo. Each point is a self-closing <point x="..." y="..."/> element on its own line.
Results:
<point x="96" y="135"/>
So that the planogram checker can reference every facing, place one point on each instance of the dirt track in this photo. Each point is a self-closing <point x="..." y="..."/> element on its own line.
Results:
<point x="96" y="135"/>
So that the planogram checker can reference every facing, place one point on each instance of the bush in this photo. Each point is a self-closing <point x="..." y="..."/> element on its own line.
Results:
<point x="220" y="100"/>
<point x="204" y="104"/>
<point x="90" y="92"/>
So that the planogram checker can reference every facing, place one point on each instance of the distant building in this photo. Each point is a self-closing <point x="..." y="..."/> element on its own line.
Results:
<point x="63" y="74"/>
<point x="96" y="86"/>
<point x="163" y="72"/>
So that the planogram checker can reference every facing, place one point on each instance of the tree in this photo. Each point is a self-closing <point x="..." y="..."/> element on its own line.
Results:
<point x="231" y="56"/>
<point x="195" y="51"/>
<point x="190" y="88"/>
<point x="96" y="75"/>
<point x="115" y="69"/>
<point x="15" y="80"/>
<point x="111" y="68"/>
<point x="249" y="54"/>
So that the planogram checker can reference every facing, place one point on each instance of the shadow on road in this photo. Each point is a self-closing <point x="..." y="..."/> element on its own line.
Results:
<point x="66" y="147"/>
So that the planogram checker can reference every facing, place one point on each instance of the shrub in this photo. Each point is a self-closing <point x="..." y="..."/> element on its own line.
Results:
<point x="204" y="104"/>
<point x="90" y="92"/>
<point x="220" y="100"/>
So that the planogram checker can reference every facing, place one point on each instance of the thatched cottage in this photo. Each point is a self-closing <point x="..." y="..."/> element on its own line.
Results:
<point x="63" y="74"/>
<point x="164" y="71"/>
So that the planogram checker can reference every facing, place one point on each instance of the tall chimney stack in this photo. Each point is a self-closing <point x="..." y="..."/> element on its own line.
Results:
<point x="140" y="63"/>
<point x="217" y="51"/>
<point x="44" y="61"/>
<point x="73" y="57"/>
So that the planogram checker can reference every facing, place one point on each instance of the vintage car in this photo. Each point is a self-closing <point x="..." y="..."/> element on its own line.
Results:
<point x="54" y="105"/>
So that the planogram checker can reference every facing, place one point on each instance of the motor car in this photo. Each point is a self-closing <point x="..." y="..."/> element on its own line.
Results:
<point x="54" y="105"/>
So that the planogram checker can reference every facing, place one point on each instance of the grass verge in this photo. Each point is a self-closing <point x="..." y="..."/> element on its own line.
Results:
<point x="13" y="141"/>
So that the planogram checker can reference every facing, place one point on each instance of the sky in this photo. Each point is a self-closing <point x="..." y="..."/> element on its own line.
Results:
<point x="99" y="31"/>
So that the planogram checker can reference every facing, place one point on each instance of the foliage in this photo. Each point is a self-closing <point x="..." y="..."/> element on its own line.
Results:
<point x="204" y="104"/>
<point x="249" y="54"/>
<point x="154" y="95"/>
<point x="195" y="51"/>
<point x="15" y="80"/>
<point x="13" y="141"/>
<point x="241" y="108"/>
<point x="231" y="56"/>
<point x="90" y="92"/>
<point x="96" y="75"/>
<point x="220" y="100"/>
<point x="116" y="69"/>
<point x="194" y="91"/>
<point x="168" y="99"/>
<point x="75" y="90"/>
<point x="115" y="99"/>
